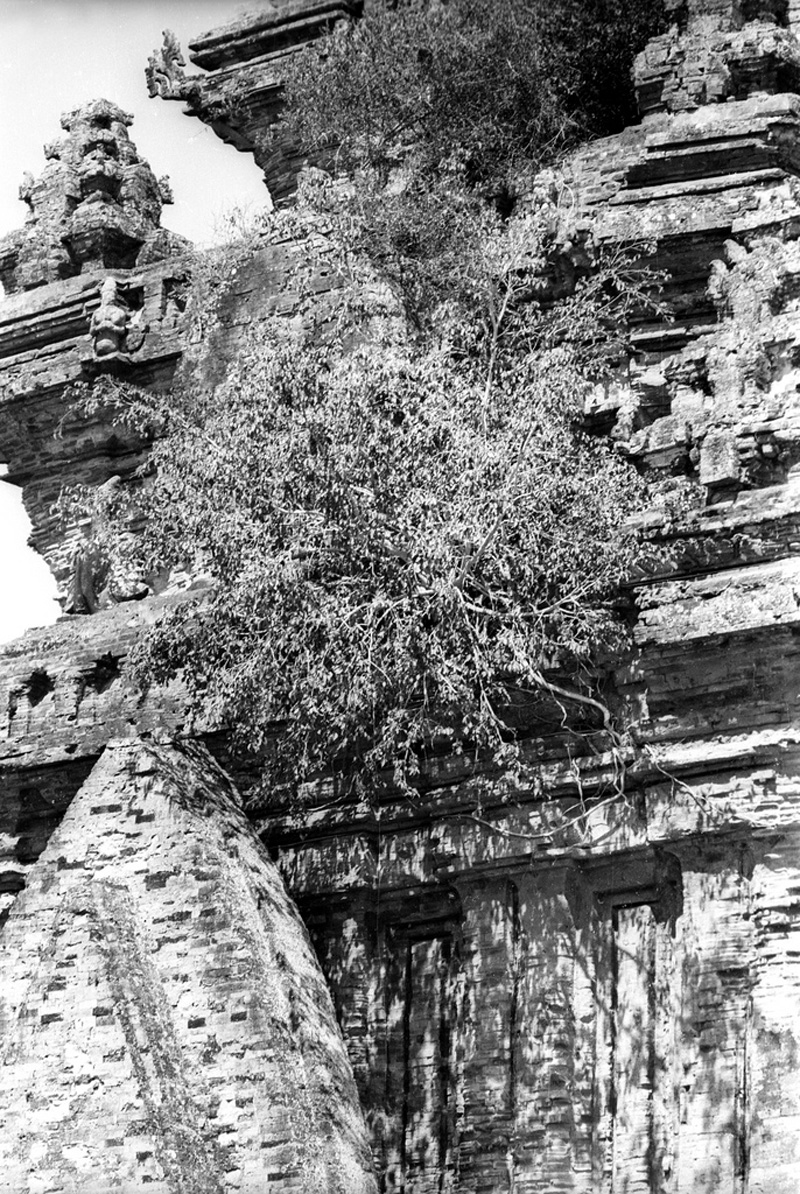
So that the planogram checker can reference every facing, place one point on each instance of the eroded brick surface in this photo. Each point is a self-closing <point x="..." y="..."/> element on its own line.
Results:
<point x="572" y="992"/>
<point x="163" y="1023"/>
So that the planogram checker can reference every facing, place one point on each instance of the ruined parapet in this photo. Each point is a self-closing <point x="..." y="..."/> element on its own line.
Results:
<point x="240" y="95"/>
<point x="166" y="1003"/>
<point x="719" y="51"/>
<point x="712" y="187"/>
<point x="94" y="285"/>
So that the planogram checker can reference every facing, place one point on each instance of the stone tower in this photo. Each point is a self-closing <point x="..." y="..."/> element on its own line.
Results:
<point x="94" y="285"/>
<point x="573" y="992"/>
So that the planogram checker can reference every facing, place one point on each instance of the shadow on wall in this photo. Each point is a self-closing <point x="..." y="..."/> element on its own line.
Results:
<point x="581" y="1028"/>
<point x="586" y="1025"/>
<point x="27" y="589"/>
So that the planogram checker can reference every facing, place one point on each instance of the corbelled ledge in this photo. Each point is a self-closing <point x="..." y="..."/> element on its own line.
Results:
<point x="240" y="97"/>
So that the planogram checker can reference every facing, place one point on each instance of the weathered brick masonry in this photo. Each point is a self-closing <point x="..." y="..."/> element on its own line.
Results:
<point x="164" y="1022"/>
<point x="570" y="992"/>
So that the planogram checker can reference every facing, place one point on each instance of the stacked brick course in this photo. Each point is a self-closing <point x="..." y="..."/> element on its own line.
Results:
<point x="94" y="216"/>
<point x="164" y="1022"/>
<point x="570" y="991"/>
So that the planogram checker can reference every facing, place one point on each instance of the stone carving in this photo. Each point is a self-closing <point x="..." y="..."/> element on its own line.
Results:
<point x="164" y="72"/>
<point x="26" y="188"/>
<point x="115" y="331"/>
<point x="165" y="189"/>
<point x="82" y="597"/>
<point x="97" y="204"/>
<point x="95" y="585"/>
<point x="109" y="324"/>
<point x="97" y="582"/>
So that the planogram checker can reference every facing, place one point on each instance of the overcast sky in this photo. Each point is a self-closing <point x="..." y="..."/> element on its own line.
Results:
<point x="55" y="55"/>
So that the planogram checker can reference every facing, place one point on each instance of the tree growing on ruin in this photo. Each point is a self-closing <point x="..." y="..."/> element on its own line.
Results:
<point x="406" y="526"/>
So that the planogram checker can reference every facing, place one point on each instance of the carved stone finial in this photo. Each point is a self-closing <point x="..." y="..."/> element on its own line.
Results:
<point x="96" y="205"/>
<point x="164" y="71"/>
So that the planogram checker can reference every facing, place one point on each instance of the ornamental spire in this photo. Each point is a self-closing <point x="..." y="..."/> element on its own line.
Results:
<point x="97" y="205"/>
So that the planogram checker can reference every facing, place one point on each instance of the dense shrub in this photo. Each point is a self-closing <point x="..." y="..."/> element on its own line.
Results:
<point x="405" y="526"/>
<point x="469" y="87"/>
<point x="441" y="115"/>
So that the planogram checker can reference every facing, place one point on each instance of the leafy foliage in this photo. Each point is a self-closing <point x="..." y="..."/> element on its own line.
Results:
<point x="468" y="87"/>
<point x="402" y="536"/>
<point x="404" y="524"/>
<point x="591" y="45"/>
<point x="442" y="114"/>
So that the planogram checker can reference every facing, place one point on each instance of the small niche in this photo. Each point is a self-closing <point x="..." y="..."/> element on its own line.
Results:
<point x="174" y="294"/>
<point x="132" y="296"/>
<point x="104" y="673"/>
<point x="38" y="687"/>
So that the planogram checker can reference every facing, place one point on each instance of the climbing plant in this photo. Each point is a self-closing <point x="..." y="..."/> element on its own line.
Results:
<point x="403" y="536"/>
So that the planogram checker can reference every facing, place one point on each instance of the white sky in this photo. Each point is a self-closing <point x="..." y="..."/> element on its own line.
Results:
<point x="55" y="55"/>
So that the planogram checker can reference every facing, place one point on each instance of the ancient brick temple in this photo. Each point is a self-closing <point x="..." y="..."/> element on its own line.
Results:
<point x="577" y="994"/>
